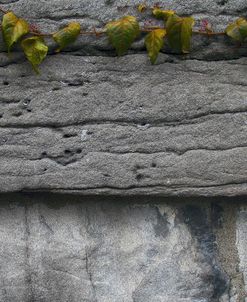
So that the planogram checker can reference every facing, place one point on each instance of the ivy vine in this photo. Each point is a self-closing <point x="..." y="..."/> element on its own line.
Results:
<point x="177" y="31"/>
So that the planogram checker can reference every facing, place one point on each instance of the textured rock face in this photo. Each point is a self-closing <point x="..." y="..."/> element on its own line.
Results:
<point x="121" y="126"/>
<point x="79" y="249"/>
<point x="102" y="125"/>
<point x="96" y="124"/>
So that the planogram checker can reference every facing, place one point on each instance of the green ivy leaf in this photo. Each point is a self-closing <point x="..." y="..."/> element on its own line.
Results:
<point x="35" y="50"/>
<point x="13" y="29"/>
<point x="179" y="33"/>
<point x="122" y="33"/>
<point x="154" y="42"/>
<point x="67" y="35"/>
<point x="142" y="8"/>
<point x="162" y="14"/>
<point x="237" y="30"/>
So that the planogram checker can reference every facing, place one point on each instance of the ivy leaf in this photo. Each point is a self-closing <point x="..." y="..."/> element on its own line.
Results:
<point x="13" y="29"/>
<point x="154" y="42"/>
<point x="237" y="30"/>
<point x="35" y="50"/>
<point x="67" y="35"/>
<point x="142" y="8"/>
<point x="122" y="33"/>
<point x="162" y="14"/>
<point x="179" y="33"/>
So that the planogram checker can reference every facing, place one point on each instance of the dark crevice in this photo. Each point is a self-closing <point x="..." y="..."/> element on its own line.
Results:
<point x="195" y="119"/>
<point x="172" y="188"/>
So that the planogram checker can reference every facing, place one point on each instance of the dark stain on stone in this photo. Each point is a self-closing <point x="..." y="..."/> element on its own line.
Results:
<point x="217" y="215"/>
<point x="222" y="2"/>
<point x="220" y="283"/>
<point x="161" y="227"/>
<point x="152" y="253"/>
<point x="43" y="222"/>
<point x="197" y="220"/>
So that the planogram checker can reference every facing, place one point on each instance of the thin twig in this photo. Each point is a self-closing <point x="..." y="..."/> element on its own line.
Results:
<point x="3" y="10"/>
<point x="40" y="34"/>
<point x="198" y="32"/>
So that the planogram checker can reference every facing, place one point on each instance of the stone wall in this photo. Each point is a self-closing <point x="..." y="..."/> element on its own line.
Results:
<point x="98" y="124"/>
<point x="163" y="147"/>
<point x="73" y="249"/>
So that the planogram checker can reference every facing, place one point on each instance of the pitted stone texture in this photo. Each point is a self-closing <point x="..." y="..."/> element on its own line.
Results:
<point x="65" y="249"/>
<point x="100" y="125"/>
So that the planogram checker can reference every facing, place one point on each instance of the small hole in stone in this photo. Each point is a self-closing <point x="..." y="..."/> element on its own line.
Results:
<point x="5" y="83"/>
<point x="43" y="154"/>
<point x="154" y="165"/>
<point x="26" y="102"/>
<point x="68" y="135"/>
<point x="67" y="151"/>
<point x="139" y="177"/>
<point x="45" y="169"/>
<point x="85" y="94"/>
<point x="29" y="110"/>
<point x="56" y="88"/>
<point x="78" y="151"/>
<point x="1" y="115"/>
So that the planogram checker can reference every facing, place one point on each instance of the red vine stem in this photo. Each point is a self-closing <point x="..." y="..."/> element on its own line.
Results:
<point x="144" y="30"/>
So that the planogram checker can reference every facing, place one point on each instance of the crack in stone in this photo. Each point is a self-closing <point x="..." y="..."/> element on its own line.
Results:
<point x="30" y="295"/>
<point x="197" y="118"/>
<point x="90" y="276"/>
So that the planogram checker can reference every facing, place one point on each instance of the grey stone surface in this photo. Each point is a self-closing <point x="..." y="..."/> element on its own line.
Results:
<point x="95" y="124"/>
<point x="102" y="125"/>
<point x="74" y="249"/>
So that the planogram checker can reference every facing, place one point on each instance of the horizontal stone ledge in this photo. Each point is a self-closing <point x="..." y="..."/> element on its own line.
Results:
<point x="101" y="125"/>
<point x="194" y="173"/>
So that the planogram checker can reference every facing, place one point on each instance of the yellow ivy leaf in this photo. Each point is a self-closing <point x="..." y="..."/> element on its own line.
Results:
<point x="67" y="35"/>
<point x="35" y="50"/>
<point x="142" y="8"/>
<point x="179" y="33"/>
<point x="13" y="29"/>
<point x="237" y="30"/>
<point x="154" y="42"/>
<point x="162" y="14"/>
<point x="122" y="33"/>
